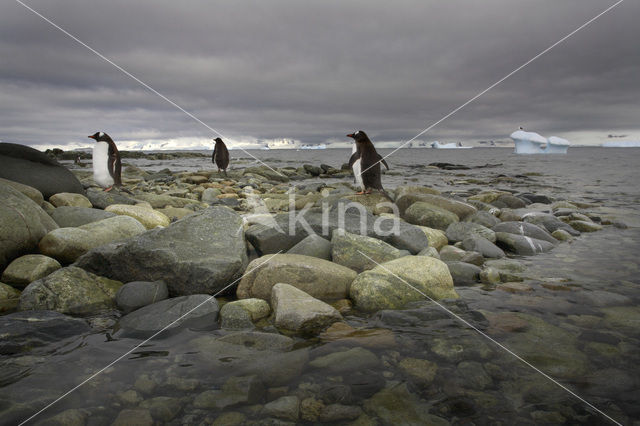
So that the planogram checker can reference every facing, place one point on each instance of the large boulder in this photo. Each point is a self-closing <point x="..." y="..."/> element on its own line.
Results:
<point x="459" y="208"/>
<point x="483" y="246"/>
<point x="314" y="245"/>
<point x="70" y="291"/>
<point x="461" y="230"/>
<point x="22" y="224"/>
<point x="521" y="244"/>
<point x="317" y="277"/>
<point x="549" y="222"/>
<point x="34" y="168"/>
<point x="463" y="273"/>
<point x="137" y="294"/>
<point x="70" y="199"/>
<point x="148" y="217"/>
<point x="67" y="244"/>
<point x="202" y="253"/>
<point x="73" y="217"/>
<point x="27" y="190"/>
<point x="429" y="215"/>
<point x="296" y="311"/>
<point x="196" y="310"/>
<point x="394" y="284"/>
<point x="361" y="253"/>
<point x="526" y="229"/>
<point x="28" y="268"/>
<point x="101" y="199"/>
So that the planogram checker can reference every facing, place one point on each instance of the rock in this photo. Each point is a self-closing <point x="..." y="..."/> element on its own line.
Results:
<point x="9" y="298"/>
<point x="236" y="390"/>
<point x="451" y="254"/>
<point x="509" y="201"/>
<point x="175" y="213"/>
<point x="259" y="341"/>
<point x="365" y="337"/>
<point x="70" y="417"/>
<point x="464" y="273"/>
<point x="27" y="190"/>
<point x="162" y="408"/>
<point x="73" y="217"/>
<point x="286" y="407"/>
<point x="67" y="244"/>
<point x="509" y="269"/>
<point x="333" y="413"/>
<point x="23" y="331"/>
<point x="483" y="246"/>
<point x="70" y="199"/>
<point x="346" y="361"/>
<point x="294" y="310"/>
<point x="429" y="215"/>
<point x="420" y="370"/>
<point x="234" y="317"/>
<point x="383" y="287"/>
<point x="138" y="417"/>
<point x="490" y="275"/>
<point x="526" y="229"/>
<point x="459" y="231"/>
<point x="137" y="294"/>
<point x="152" y="318"/>
<point x="72" y="291"/>
<point x="514" y="287"/>
<point x="101" y="199"/>
<point x="230" y="418"/>
<point x="273" y="239"/>
<point x="459" y="208"/>
<point x="148" y="217"/>
<point x="257" y="308"/>
<point x="585" y="226"/>
<point x="411" y="190"/>
<point x="163" y="201"/>
<point x="313" y="245"/>
<point x="317" y="277"/>
<point x="210" y="195"/>
<point x="522" y="245"/>
<point x="473" y="375"/>
<point x="437" y="238"/>
<point x="268" y="173"/>
<point x="34" y="168"/>
<point x="202" y="253"/>
<point x="430" y="252"/>
<point x="361" y="253"/>
<point x="26" y="269"/>
<point x="312" y="170"/>
<point x="376" y="202"/>
<point x="396" y="405"/>
<point x="22" y="224"/>
<point x="549" y="222"/>
<point x="483" y="218"/>
<point x="473" y="257"/>
<point x="310" y="409"/>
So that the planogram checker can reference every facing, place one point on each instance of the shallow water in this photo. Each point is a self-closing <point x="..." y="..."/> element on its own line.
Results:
<point x="579" y="321"/>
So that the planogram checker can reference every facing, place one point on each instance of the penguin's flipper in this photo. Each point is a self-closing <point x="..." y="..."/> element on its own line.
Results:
<point x="213" y="156"/>
<point x="354" y="158"/>
<point x="382" y="160"/>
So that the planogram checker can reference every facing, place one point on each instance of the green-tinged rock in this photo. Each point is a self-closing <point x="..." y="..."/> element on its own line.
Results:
<point x="314" y="245"/>
<point x="236" y="390"/>
<point x="437" y="238"/>
<point x="375" y="202"/>
<point x="561" y="235"/>
<point x="162" y="408"/>
<point x="70" y="199"/>
<point x="421" y="370"/>
<point x="432" y="216"/>
<point x="9" y="298"/>
<point x="389" y="286"/>
<point x="622" y="317"/>
<point x="286" y="408"/>
<point x="345" y="361"/>
<point x="317" y="277"/>
<point x="398" y="406"/>
<point x="230" y="418"/>
<point x="148" y="217"/>
<point x="27" y="190"/>
<point x="28" y="268"/>
<point x="129" y="417"/>
<point x="256" y="308"/>
<point x="234" y="317"/>
<point x="361" y="253"/>
<point x="70" y="417"/>
<point x="68" y="244"/>
<point x="72" y="217"/>
<point x="410" y="189"/>
<point x="585" y="226"/>
<point x="459" y="231"/>
<point x="296" y="311"/>
<point x="162" y="201"/>
<point x="72" y="291"/>
<point x="267" y="172"/>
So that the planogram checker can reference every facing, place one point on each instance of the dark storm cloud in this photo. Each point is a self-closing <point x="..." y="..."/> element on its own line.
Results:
<point x="315" y="70"/>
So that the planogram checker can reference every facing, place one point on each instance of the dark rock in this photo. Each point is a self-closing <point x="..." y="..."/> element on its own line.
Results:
<point x="464" y="274"/>
<point x="137" y="294"/>
<point x="459" y="231"/>
<point x="202" y="253"/>
<point x="312" y="170"/>
<point x="550" y="223"/>
<point x="509" y="201"/>
<point x="31" y="167"/>
<point x="483" y="246"/>
<point x="522" y="245"/>
<point x="313" y="245"/>
<point x="72" y="217"/>
<point x="536" y="198"/>
<point x="460" y="208"/>
<point x="525" y="229"/>
<point x="101" y="199"/>
<point x="483" y="218"/>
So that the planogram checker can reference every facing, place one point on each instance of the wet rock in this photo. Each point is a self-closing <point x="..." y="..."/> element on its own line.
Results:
<point x="68" y="244"/>
<point x="310" y="409"/>
<point x="384" y="287"/>
<point x="452" y="254"/>
<point x="370" y="338"/>
<point x="138" y="417"/>
<point x="201" y="253"/>
<point x="522" y="245"/>
<point x="549" y="222"/>
<point x="483" y="218"/>
<point x="312" y="170"/>
<point x="296" y="311"/>
<point x="268" y="173"/>
<point x="9" y="298"/>
<point x="314" y="246"/>
<point x="28" y="268"/>
<point x="23" y="331"/>
<point x="71" y="417"/>
<point x="137" y="294"/>
<point x="561" y="235"/>
<point x="460" y="231"/>
<point x="243" y="310"/>
<point x="483" y="246"/>
<point x="234" y="317"/>
<point x="410" y="189"/>
<point x="236" y="390"/>
<point x="70" y="199"/>
<point x="22" y="224"/>
<point x="34" y="168"/>
<point x="162" y="408"/>
<point x="345" y="361"/>
<point x="361" y="253"/>
<point x="509" y="201"/>
<point x="430" y="252"/>
<point x="429" y="215"/>
<point x="585" y="226"/>
<point x="163" y="201"/>
<point x="338" y="412"/>
<point x="317" y="277"/>
<point x="464" y="274"/>
<point x="73" y="217"/>
<point x="398" y="406"/>
<point x="72" y="291"/>
<point x="525" y="229"/>
<point x="101" y="199"/>
<point x="459" y="208"/>
<point x="417" y="369"/>
<point x="286" y="407"/>
<point x="509" y="269"/>
<point x="473" y="375"/>
<point x="148" y="217"/>
<point x="514" y="287"/>
<point x="259" y="341"/>
<point x="437" y="238"/>
<point x="230" y="418"/>
<point x="157" y="316"/>
<point x="490" y="275"/>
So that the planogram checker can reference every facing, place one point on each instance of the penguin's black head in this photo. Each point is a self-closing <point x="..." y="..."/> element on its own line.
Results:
<point x="359" y="136"/>
<point x="100" y="137"/>
<point x="217" y="140"/>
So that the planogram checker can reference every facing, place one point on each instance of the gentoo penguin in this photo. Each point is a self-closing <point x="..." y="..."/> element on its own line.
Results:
<point x="369" y="162"/>
<point x="220" y="155"/>
<point x="357" y="178"/>
<point x="107" y="167"/>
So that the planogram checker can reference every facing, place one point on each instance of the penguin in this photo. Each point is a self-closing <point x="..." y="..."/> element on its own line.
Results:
<point x="369" y="162"/>
<point x="107" y="167"/>
<point x="220" y="155"/>
<point x="357" y="170"/>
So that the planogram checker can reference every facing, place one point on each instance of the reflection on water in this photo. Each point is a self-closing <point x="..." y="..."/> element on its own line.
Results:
<point x="574" y="315"/>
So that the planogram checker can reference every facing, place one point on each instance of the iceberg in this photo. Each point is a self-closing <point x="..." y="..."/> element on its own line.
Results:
<point x="533" y="143"/>
<point x="621" y="144"/>
<point x="452" y="145"/>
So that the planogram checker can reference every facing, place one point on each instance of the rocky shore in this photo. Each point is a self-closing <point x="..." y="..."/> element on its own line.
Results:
<point x="293" y="266"/>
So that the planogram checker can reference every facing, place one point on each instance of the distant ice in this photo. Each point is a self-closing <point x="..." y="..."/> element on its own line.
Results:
<point x="533" y="143"/>
<point x="621" y="144"/>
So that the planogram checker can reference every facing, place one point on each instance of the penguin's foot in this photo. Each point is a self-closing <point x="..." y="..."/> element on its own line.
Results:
<point x="368" y="191"/>
<point x="108" y="189"/>
<point x="360" y="193"/>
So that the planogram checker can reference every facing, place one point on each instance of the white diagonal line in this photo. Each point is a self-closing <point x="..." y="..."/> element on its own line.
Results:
<point x="142" y="83"/>
<point x="498" y="82"/>
<point x="97" y="373"/>
<point x="486" y="336"/>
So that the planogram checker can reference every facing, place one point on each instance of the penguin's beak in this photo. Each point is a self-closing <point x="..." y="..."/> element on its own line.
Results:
<point x="91" y="137"/>
<point x="351" y="135"/>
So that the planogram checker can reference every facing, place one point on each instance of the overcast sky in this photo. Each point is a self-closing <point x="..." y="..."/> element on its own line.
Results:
<point x="316" y="70"/>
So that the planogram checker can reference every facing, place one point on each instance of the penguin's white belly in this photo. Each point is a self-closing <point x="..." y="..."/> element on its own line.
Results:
<point x="101" y="165"/>
<point x="357" y="172"/>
